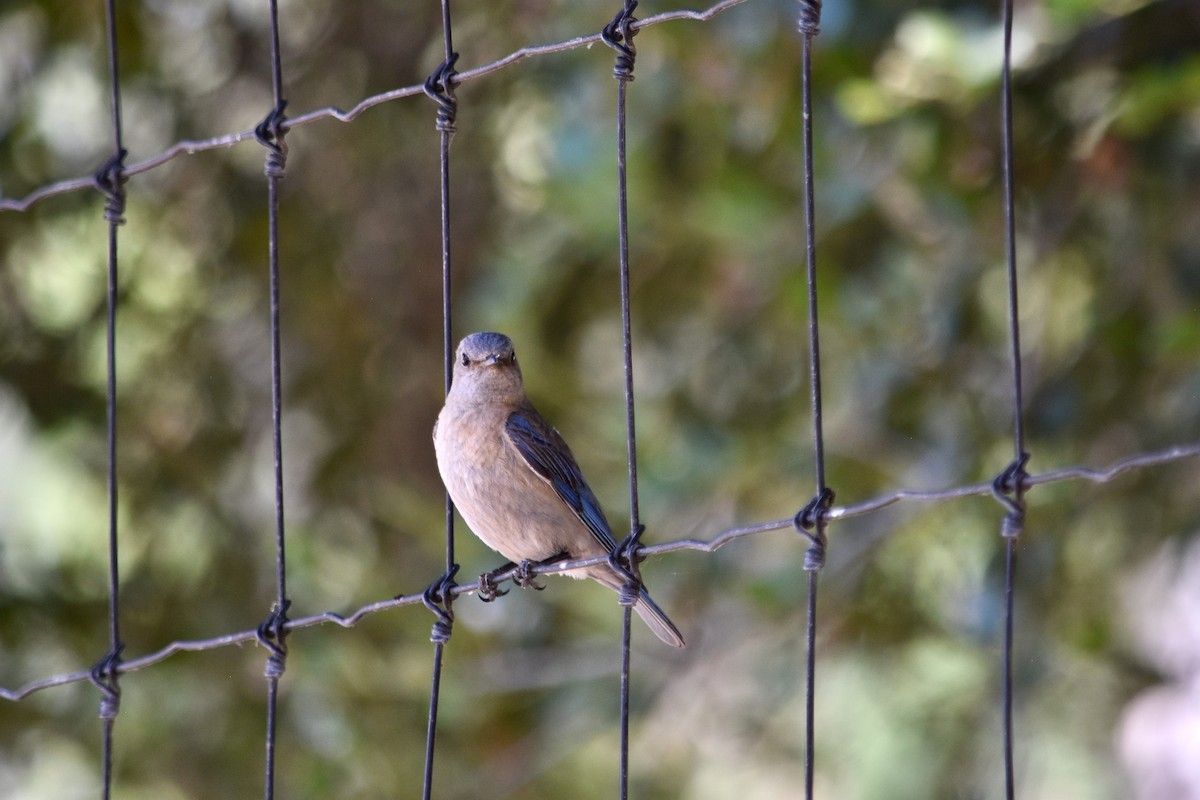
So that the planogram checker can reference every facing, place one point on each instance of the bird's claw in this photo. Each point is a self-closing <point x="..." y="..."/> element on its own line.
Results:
<point x="525" y="576"/>
<point x="488" y="589"/>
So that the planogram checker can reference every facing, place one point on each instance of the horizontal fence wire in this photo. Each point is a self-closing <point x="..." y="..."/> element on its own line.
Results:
<point x="194" y="146"/>
<point x="834" y="514"/>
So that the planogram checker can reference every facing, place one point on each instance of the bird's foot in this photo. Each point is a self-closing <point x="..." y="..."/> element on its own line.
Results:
<point x="489" y="589"/>
<point x="525" y="575"/>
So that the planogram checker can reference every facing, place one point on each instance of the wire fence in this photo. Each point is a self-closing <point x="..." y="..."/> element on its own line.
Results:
<point x="1010" y="487"/>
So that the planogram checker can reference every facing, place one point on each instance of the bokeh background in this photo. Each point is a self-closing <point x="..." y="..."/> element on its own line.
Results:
<point x="911" y="250"/>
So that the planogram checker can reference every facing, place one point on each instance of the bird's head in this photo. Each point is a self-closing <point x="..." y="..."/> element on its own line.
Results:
<point x="485" y="366"/>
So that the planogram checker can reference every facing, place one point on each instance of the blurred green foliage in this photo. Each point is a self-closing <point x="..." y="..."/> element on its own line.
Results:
<point x="917" y="393"/>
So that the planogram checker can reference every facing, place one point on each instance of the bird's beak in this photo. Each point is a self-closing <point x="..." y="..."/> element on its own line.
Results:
<point x="492" y="359"/>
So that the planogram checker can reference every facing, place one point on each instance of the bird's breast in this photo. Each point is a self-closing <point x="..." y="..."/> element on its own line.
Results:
<point x="501" y="498"/>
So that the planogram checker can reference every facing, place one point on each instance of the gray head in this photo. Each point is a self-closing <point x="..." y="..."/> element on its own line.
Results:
<point x="485" y="364"/>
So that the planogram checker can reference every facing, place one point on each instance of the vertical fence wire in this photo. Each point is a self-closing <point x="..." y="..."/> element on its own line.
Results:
<point x="110" y="181"/>
<point x="618" y="35"/>
<point x="811" y="520"/>
<point x="1007" y="687"/>
<point x="440" y="87"/>
<point x="272" y="633"/>
<point x="274" y="174"/>
<point x="1009" y="486"/>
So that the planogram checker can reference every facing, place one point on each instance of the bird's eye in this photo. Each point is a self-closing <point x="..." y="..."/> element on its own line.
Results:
<point x="513" y="358"/>
<point x="466" y="360"/>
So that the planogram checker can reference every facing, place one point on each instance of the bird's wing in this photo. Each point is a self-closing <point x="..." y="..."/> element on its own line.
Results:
<point x="549" y="457"/>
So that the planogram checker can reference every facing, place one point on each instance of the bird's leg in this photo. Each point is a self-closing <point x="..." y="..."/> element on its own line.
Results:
<point x="488" y="588"/>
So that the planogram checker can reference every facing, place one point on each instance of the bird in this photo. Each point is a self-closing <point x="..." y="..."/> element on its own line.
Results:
<point x="513" y="478"/>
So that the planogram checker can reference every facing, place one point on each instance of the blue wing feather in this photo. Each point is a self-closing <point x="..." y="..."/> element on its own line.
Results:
<point x="549" y="457"/>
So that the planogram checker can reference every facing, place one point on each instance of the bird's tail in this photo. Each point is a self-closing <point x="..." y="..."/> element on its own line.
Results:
<point x="658" y="621"/>
<point x="645" y="607"/>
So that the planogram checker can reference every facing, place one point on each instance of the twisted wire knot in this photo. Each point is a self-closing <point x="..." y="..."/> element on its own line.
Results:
<point x="276" y="665"/>
<point x="272" y="634"/>
<point x="442" y="629"/>
<point x="1008" y="488"/>
<point x="810" y="523"/>
<point x="624" y="560"/>
<point x="618" y="35"/>
<point x="440" y="88"/>
<point x="110" y="180"/>
<point x="627" y="595"/>
<point x="103" y="676"/>
<point x="810" y="17"/>
<point x="438" y="598"/>
<point x="269" y="133"/>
